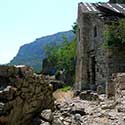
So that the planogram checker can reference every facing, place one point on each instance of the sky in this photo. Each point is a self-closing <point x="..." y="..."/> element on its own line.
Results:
<point x="22" y="21"/>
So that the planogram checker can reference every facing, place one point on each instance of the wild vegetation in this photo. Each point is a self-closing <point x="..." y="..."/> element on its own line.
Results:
<point x="115" y="34"/>
<point x="63" y="57"/>
<point x="33" y="54"/>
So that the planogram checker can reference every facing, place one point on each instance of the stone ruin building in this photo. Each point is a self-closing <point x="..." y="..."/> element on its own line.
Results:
<point x="96" y="66"/>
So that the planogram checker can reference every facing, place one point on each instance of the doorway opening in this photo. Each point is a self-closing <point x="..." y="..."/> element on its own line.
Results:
<point x="93" y="72"/>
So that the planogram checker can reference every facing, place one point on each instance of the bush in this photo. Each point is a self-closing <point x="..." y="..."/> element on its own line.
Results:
<point x="115" y="34"/>
<point x="65" y="88"/>
<point x="63" y="57"/>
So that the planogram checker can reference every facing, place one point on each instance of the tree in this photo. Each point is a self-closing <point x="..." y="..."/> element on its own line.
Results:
<point x="74" y="28"/>
<point x="51" y="53"/>
<point x="63" y="57"/>
<point x="115" y="34"/>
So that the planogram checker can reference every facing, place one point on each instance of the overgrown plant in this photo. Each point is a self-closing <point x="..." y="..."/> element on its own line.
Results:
<point x="74" y="27"/>
<point x="115" y="34"/>
<point x="63" y="57"/>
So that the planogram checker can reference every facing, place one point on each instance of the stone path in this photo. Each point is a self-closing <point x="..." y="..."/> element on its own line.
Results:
<point x="103" y="112"/>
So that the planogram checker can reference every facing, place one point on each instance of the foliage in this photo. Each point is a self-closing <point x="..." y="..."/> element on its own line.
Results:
<point x="74" y="27"/>
<point x="63" y="56"/>
<point x="51" y="52"/>
<point x="33" y="54"/>
<point x="115" y="34"/>
<point x="65" y="88"/>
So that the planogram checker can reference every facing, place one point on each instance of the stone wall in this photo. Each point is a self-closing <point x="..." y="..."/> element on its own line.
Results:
<point x="23" y="95"/>
<point x="119" y="85"/>
<point x="90" y="39"/>
<point x="116" y="64"/>
<point x="95" y="64"/>
<point x="97" y="52"/>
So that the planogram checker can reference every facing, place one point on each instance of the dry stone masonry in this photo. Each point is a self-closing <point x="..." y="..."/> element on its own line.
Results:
<point x="95" y="65"/>
<point x="119" y="81"/>
<point x="27" y="98"/>
<point x="23" y="95"/>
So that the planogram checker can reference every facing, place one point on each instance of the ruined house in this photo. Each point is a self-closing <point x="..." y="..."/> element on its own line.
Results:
<point x="95" y="65"/>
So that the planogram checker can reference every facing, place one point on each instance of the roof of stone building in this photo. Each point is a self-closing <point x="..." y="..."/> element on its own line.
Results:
<point x="115" y="9"/>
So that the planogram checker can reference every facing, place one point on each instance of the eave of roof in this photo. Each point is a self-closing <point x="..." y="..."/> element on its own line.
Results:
<point x="107" y="8"/>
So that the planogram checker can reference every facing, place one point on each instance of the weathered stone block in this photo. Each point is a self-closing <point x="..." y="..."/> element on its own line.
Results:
<point x="27" y="96"/>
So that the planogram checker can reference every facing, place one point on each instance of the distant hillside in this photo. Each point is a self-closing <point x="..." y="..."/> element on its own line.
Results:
<point x="32" y="54"/>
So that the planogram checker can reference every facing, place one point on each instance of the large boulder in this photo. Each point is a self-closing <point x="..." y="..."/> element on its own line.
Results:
<point x="47" y="115"/>
<point x="56" y="84"/>
<point x="27" y="96"/>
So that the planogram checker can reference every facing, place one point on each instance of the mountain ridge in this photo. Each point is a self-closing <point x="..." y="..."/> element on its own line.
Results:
<point x="32" y="54"/>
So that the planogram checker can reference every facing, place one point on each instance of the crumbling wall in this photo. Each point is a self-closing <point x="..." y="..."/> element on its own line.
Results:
<point x="24" y="96"/>
<point x="90" y="40"/>
<point x="119" y="83"/>
<point x="116" y="64"/>
<point x="95" y="64"/>
<point x="97" y="38"/>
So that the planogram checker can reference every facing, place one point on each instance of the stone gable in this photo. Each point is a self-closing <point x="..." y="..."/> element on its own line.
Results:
<point x="95" y="65"/>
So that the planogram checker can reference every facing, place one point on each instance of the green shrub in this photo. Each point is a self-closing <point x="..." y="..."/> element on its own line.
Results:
<point x="115" y="34"/>
<point x="65" y="88"/>
<point x="63" y="57"/>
